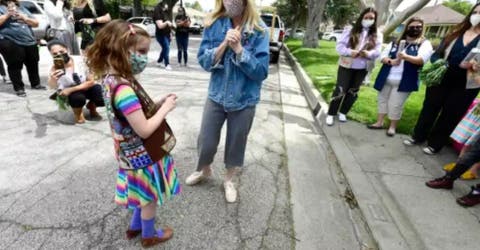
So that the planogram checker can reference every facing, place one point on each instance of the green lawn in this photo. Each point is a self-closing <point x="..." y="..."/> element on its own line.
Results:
<point x="321" y="65"/>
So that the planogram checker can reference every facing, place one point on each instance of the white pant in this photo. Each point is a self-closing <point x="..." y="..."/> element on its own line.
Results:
<point x="390" y="100"/>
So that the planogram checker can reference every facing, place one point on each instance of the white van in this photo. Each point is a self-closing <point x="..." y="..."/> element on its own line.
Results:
<point x="277" y="33"/>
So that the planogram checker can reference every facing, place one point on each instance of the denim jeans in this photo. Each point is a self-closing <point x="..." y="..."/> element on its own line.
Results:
<point x="182" y="45"/>
<point x="164" y="41"/>
<point x="238" y="127"/>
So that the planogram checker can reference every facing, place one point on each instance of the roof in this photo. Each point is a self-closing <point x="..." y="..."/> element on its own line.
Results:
<point x="439" y="14"/>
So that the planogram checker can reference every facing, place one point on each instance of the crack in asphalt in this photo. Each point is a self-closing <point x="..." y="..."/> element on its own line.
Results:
<point x="40" y="180"/>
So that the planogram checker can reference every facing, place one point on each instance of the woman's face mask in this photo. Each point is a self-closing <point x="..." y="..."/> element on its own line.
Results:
<point x="138" y="62"/>
<point x="414" y="30"/>
<point x="234" y="8"/>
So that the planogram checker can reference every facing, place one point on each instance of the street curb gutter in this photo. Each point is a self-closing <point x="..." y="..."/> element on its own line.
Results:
<point x="384" y="230"/>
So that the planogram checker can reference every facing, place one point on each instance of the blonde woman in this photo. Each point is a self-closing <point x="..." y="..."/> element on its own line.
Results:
<point x="235" y="49"/>
<point x="89" y="15"/>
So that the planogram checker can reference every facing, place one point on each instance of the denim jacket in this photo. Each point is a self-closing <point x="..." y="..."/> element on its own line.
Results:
<point x="235" y="80"/>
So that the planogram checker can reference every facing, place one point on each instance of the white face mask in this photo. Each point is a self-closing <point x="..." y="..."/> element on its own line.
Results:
<point x="475" y="19"/>
<point x="366" y="23"/>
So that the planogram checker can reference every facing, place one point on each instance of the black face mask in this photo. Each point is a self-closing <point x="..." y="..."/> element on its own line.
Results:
<point x="414" y="32"/>
<point x="66" y="57"/>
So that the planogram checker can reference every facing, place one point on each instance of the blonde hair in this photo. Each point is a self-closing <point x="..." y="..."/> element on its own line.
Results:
<point x="250" y="16"/>
<point x="76" y="3"/>
<point x="111" y="48"/>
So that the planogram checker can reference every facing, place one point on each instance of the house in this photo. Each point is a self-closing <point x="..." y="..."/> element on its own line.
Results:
<point x="439" y="19"/>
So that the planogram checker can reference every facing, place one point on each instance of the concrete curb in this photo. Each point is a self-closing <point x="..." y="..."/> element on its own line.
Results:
<point x="386" y="233"/>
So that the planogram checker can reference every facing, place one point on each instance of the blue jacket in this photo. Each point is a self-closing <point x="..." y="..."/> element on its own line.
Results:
<point x="235" y="81"/>
<point x="410" y="80"/>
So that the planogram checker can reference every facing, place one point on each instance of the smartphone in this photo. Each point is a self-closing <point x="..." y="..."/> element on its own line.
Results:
<point x="59" y="63"/>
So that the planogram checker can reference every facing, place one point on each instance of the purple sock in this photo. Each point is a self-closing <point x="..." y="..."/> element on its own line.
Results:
<point x="148" y="229"/>
<point x="136" y="222"/>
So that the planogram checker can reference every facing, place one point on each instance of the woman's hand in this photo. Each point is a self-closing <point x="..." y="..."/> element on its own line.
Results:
<point x="466" y="65"/>
<point x="363" y="53"/>
<point x="234" y="40"/>
<point x="87" y="20"/>
<point x="475" y="66"/>
<point x="66" y="92"/>
<point x="169" y="104"/>
<point x="56" y="74"/>
<point x="402" y="55"/>
<point x="162" y="100"/>
<point x="395" y="62"/>
<point x="354" y="53"/>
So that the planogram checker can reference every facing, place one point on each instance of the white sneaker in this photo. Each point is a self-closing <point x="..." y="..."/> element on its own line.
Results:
<point x="160" y="64"/>
<point x="168" y="67"/>
<point x="196" y="177"/>
<point x="342" y="117"/>
<point x="329" y="120"/>
<point x="230" y="191"/>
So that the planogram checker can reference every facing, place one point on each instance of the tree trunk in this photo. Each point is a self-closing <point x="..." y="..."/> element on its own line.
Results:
<point x="383" y="10"/>
<point x="403" y="16"/>
<point x="315" y="10"/>
<point x="137" y="8"/>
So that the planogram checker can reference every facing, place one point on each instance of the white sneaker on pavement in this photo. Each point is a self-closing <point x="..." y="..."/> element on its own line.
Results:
<point x="230" y="191"/>
<point x="196" y="177"/>
<point x="168" y="67"/>
<point x="342" y="117"/>
<point x="329" y="120"/>
<point x="160" y="64"/>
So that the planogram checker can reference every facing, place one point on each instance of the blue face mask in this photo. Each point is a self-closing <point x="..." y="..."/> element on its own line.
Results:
<point x="138" y="62"/>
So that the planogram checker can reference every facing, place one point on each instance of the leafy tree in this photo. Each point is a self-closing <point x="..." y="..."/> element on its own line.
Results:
<point x="463" y="7"/>
<point x="293" y="12"/>
<point x="341" y="12"/>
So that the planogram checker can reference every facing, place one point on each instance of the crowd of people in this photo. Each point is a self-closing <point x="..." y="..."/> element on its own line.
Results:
<point x="443" y="116"/>
<point x="102" y="69"/>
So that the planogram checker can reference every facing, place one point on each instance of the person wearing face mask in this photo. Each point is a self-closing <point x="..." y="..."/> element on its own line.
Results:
<point x="402" y="60"/>
<point x="163" y="30"/>
<point x="145" y="180"/>
<point x="446" y="103"/>
<point x="356" y="47"/>
<point x="235" y="49"/>
<point x="75" y="83"/>
<point x="181" y="34"/>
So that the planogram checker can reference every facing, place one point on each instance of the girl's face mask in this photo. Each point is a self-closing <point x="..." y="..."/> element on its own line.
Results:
<point x="138" y="62"/>
<point x="234" y="8"/>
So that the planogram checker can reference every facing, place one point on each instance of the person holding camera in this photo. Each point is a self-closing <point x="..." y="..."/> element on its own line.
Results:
<point x="356" y="47"/>
<point x="163" y="29"/>
<point x="72" y="79"/>
<point x="18" y="45"/>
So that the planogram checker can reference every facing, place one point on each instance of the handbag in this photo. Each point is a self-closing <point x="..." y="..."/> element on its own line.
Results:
<point x="162" y="140"/>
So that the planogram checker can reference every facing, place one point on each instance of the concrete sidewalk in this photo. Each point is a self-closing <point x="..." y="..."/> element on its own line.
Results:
<point x="387" y="180"/>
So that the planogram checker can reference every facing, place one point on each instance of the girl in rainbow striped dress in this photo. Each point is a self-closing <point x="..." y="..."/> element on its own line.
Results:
<point x="118" y="53"/>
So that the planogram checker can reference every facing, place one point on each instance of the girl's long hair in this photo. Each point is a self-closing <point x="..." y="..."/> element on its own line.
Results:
<point x="250" y="16"/>
<point x="404" y="33"/>
<point x="458" y="30"/>
<point x="357" y="30"/>
<point x="111" y="48"/>
<point x="5" y="2"/>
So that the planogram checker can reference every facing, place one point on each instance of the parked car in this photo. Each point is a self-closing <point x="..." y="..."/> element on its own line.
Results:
<point x="299" y="34"/>
<point x="277" y="33"/>
<point x="332" y="36"/>
<point x="196" y="28"/>
<point x="37" y="11"/>
<point x="145" y="23"/>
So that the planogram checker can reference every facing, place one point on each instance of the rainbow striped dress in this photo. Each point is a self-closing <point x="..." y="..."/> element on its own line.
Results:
<point x="468" y="130"/>
<point x="134" y="188"/>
